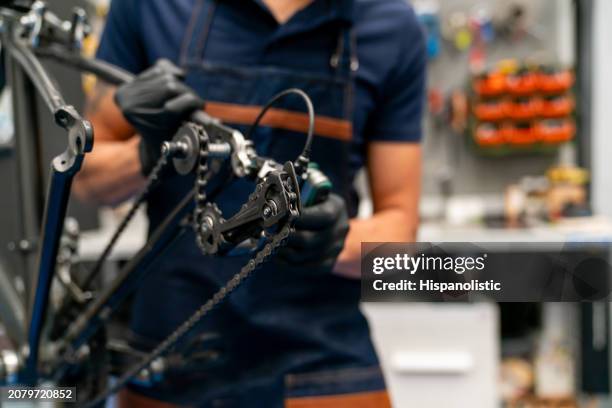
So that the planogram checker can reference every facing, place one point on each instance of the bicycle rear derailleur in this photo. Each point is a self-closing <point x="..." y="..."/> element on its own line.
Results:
<point x="274" y="202"/>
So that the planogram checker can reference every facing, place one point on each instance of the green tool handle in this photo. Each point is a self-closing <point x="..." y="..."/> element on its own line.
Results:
<point x="316" y="186"/>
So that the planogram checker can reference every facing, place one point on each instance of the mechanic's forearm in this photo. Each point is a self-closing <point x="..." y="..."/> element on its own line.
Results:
<point x="391" y="225"/>
<point x="111" y="173"/>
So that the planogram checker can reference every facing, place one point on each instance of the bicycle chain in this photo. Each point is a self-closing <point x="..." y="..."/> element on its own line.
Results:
<point x="201" y="181"/>
<point x="152" y="180"/>
<point x="245" y="272"/>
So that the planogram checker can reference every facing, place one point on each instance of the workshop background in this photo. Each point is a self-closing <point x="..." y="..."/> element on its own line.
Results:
<point x="517" y="148"/>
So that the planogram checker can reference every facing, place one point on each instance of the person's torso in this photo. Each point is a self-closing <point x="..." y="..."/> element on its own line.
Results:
<point x="237" y="58"/>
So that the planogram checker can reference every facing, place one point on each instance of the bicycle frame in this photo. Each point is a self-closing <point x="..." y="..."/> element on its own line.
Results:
<point x="27" y="73"/>
<point x="41" y="34"/>
<point x="27" y="79"/>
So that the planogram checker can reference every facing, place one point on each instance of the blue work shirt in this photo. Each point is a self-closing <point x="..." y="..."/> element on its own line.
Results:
<point x="389" y="84"/>
<point x="281" y="322"/>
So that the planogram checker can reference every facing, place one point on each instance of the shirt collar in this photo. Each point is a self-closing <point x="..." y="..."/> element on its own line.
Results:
<point x="328" y="10"/>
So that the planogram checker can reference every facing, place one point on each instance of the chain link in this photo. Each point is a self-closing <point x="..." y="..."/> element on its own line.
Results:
<point x="202" y="177"/>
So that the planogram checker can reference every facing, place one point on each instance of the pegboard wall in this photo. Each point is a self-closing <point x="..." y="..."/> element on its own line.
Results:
<point x="448" y="156"/>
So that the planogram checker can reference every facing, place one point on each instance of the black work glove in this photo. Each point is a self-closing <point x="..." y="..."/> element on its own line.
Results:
<point x="318" y="238"/>
<point x="156" y="103"/>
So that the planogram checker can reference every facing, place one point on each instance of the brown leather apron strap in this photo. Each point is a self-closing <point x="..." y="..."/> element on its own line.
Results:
<point x="130" y="399"/>
<point x="280" y="119"/>
<point x="378" y="399"/>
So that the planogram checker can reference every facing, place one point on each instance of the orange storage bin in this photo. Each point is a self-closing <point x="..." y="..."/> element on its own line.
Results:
<point x="489" y="85"/>
<point x="488" y="135"/>
<point x="556" y="131"/>
<point x="556" y="81"/>
<point x="491" y="111"/>
<point x="557" y="106"/>
<point x="520" y="134"/>
<point x="524" y="108"/>
<point x="522" y="83"/>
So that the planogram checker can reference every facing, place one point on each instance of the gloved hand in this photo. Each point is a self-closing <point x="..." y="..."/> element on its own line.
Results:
<point x="156" y="103"/>
<point x="318" y="238"/>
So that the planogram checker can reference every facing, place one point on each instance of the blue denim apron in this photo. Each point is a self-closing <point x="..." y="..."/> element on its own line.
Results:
<point x="281" y="323"/>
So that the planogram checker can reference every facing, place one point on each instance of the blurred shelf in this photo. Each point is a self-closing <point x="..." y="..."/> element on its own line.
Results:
<point x="589" y="229"/>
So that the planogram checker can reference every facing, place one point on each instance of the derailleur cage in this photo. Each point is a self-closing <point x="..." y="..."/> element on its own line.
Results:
<point x="274" y="203"/>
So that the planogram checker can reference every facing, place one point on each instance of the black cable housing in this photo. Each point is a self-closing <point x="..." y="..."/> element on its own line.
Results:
<point x="301" y="164"/>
